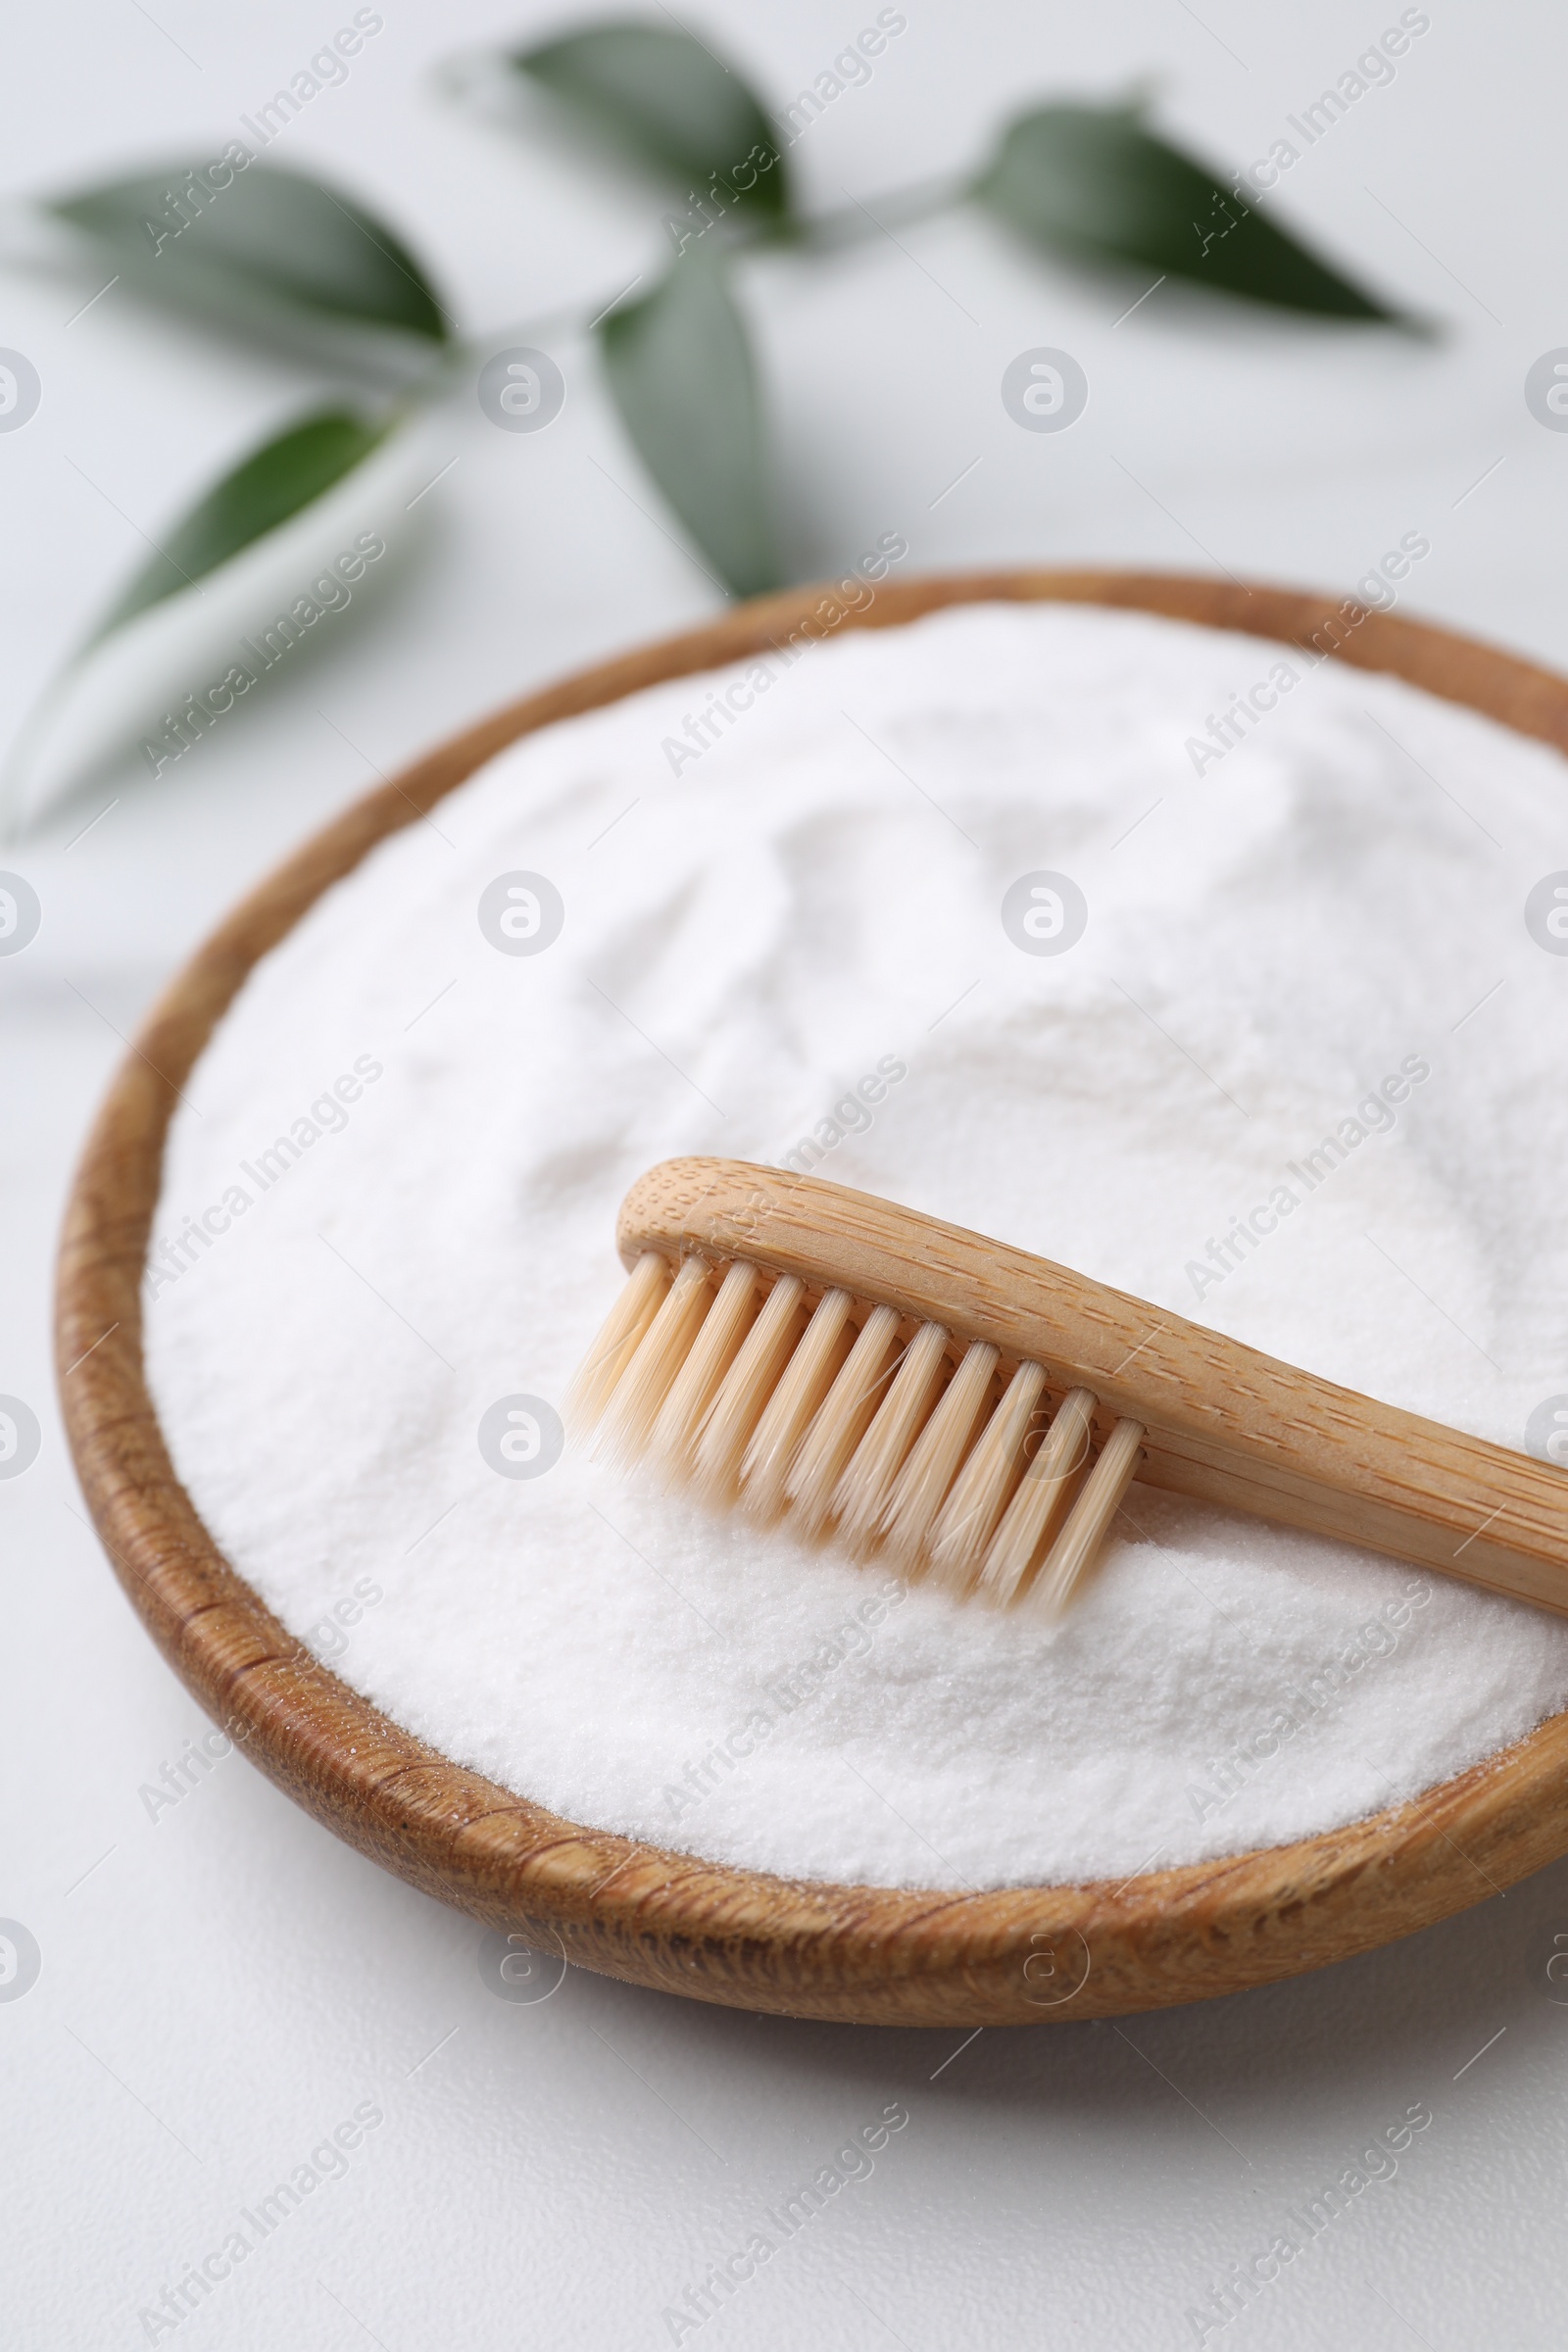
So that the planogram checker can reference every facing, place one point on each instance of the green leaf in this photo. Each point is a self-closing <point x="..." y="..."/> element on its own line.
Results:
<point x="268" y="486"/>
<point x="1091" y="181"/>
<point x="261" y="240"/>
<point x="681" y="371"/>
<point x="672" y="104"/>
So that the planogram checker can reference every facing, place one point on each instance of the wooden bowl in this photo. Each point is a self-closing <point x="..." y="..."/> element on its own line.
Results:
<point x="863" y="1954"/>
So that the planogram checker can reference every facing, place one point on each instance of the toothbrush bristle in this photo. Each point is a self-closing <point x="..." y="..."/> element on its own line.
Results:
<point x="845" y="1414"/>
<point x="862" y="1492"/>
<point x="806" y="1379"/>
<point x="1040" y="1500"/>
<point x="599" y="1374"/>
<point x="633" y="1406"/>
<point x="752" y="1379"/>
<point x="921" y="1487"/>
<point x="984" y="1486"/>
<point x="730" y="1382"/>
<point x="724" y="1327"/>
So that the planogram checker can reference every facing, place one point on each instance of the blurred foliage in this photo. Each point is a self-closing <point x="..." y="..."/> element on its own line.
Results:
<point x="248" y="246"/>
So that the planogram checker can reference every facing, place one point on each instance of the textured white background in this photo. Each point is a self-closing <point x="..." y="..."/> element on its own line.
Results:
<point x="220" y="1987"/>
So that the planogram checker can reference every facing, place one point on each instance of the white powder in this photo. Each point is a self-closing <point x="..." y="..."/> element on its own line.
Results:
<point x="817" y="895"/>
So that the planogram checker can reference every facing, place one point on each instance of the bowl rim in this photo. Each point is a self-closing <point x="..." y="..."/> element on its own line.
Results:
<point x="740" y="1937"/>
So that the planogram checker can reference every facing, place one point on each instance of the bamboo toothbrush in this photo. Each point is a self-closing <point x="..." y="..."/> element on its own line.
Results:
<point x="797" y="1351"/>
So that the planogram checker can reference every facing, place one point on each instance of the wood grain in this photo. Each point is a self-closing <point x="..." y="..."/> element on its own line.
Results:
<point x="854" y="1953"/>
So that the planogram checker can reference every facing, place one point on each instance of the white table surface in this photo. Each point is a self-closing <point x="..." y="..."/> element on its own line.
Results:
<point x="222" y="1984"/>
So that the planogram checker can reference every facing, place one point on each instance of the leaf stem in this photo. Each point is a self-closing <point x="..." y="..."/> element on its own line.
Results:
<point x="859" y="220"/>
<point x="853" y="223"/>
